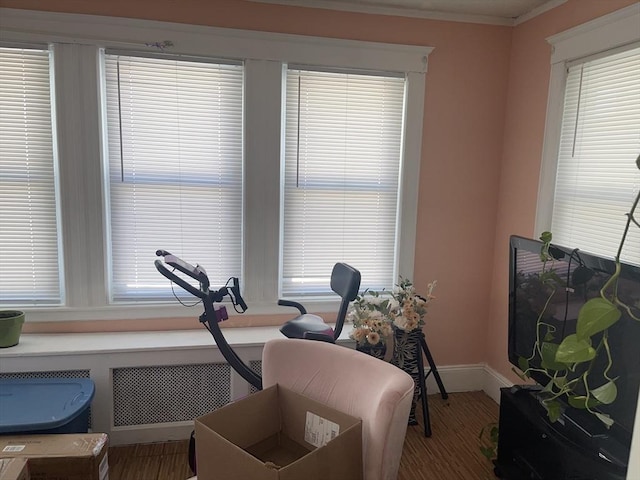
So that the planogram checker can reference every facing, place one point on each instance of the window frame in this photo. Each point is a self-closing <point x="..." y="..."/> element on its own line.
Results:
<point x="327" y="180"/>
<point x="148" y="175"/>
<point x="45" y="50"/>
<point x="604" y="34"/>
<point x="77" y="40"/>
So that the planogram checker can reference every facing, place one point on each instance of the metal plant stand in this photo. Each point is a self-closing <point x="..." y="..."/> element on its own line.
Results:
<point x="424" y="348"/>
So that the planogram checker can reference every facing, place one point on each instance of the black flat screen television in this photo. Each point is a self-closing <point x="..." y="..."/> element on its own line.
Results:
<point x="581" y="275"/>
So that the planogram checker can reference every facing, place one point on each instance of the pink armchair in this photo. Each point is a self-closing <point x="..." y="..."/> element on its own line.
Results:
<point x="354" y="383"/>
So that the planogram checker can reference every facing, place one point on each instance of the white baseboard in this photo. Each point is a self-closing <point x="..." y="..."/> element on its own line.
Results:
<point x="150" y="433"/>
<point x="457" y="378"/>
<point x="469" y="378"/>
<point x="493" y="382"/>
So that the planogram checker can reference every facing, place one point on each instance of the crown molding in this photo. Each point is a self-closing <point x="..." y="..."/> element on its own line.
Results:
<point x="613" y="30"/>
<point x="414" y="12"/>
<point x="539" y="11"/>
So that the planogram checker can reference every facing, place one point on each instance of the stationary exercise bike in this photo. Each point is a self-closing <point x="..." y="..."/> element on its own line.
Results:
<point x="345" y="281"/>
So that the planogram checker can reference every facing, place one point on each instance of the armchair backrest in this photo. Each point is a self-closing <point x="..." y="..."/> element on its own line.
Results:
<point x="354" y="383"/>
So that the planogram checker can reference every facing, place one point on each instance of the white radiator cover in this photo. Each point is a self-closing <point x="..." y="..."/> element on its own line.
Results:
<point x="151" y="385"/>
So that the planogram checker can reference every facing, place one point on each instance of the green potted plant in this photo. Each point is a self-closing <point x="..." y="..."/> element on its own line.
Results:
<point x="488" y="438"/>
<point x="11" y="322"/>
<point x="569" y="365"/>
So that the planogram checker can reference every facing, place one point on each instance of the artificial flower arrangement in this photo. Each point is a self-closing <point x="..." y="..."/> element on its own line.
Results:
<point x="376" y="314"/>
<point x="411" y="307"/>
<point x="371" y="316"/>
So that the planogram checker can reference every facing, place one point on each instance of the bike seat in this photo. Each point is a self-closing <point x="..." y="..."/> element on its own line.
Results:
<point x="308" y="326"/>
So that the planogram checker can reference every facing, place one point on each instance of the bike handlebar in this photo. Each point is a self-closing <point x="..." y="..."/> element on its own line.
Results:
<point x="197" y="273"/>
<point x="235" y="290"/>
<point x="197" y="292"/>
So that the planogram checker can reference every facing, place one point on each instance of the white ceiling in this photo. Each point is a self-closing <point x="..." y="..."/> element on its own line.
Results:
<point x="500" y="12"/>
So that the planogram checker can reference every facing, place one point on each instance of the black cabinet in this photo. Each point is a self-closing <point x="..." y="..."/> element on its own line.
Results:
<point x="530" y="447"/>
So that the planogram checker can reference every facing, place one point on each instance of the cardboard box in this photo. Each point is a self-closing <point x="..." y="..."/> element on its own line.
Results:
<point x="14" y="469"/>
<point x="73" y="456"/>
<point x="276" y="434"/>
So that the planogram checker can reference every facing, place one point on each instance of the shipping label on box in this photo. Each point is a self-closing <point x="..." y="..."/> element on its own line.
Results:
<point x="319" y="431"/>
<point x="277" y="434"/>
<point x="14" y="469"/>
<point x="73" y="456"/>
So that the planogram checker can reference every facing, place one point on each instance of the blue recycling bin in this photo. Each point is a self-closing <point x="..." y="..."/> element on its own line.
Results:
<point x="45" y="405"/>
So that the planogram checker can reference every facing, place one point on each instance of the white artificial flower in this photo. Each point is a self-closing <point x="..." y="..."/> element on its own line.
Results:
<point x="401" y="322"/>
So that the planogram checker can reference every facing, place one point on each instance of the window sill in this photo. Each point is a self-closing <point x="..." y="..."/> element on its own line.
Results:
<point x="34" y="345"/>
<point x="143" y="311"/>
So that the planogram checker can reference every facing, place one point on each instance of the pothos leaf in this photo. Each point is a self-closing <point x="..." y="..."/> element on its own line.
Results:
<point x="581" y="402"/>
<point x="560" y="381"/>
<point x="574" y="350"/>
<point x="487" y="452"/>
<point x="596" y="315"/>
<point x="494" y="433"/>
<point x="523" y="364"/>
<point x="604" y="418"/>
<point x="549" y="357"/>
<point x="554" y="409"/>
<point x="606" y="393"/>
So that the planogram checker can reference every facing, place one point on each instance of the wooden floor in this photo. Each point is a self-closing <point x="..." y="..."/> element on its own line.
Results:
<point x="451" y="453"/>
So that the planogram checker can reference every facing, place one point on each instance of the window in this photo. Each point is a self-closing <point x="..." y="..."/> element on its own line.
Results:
<point x="174" y="169"/>
<point x="29" y="257"/>
<point x="181" y="145"/>
<point x="342" y="172"/>
<point x="597" y="178"/>
<point x="588" y="178"/>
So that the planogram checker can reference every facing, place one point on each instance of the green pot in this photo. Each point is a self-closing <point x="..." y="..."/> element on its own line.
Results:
<point x="10" y="327"/>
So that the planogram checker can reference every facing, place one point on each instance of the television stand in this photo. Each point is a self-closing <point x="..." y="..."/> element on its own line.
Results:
<point x="530" y="447"/>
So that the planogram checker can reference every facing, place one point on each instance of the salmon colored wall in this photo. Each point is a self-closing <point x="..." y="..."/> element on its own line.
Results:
<point x="529" y="73"/>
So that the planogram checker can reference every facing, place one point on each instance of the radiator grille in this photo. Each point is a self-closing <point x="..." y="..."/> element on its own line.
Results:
<point x="164" y="394"/>
<point x="256" y="367"/>
<point x="63" y="374"/>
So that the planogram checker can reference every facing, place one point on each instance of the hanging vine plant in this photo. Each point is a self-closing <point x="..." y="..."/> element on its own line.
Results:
<point x="569" y="362"/>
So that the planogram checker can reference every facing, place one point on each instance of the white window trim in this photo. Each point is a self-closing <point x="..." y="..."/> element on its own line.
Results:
<point x="115" y="32"/>
<point x="77" y="40"/>
<point x="611" y="31"/>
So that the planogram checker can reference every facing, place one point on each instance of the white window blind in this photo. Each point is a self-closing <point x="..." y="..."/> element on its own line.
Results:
<point x="342" y="169"/>
<point x="175" y="169"/>
<point x="29" y="258"/>
<point x="597" y="178"/>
